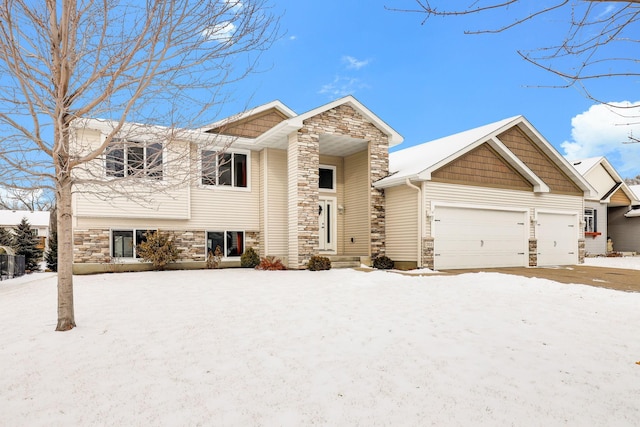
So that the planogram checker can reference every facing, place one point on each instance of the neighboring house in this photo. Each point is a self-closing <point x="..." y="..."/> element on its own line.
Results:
<point x="610" y="201"/>
<point x="39" y="221"/>
<point x="288" y="185"/>
<point x="496" y="196"/>
<point x="624" y="224"/>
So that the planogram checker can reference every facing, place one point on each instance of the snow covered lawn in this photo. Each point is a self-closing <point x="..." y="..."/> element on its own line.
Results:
<point x="342" y="347"/>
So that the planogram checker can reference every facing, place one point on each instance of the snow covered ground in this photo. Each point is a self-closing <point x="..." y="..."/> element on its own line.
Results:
<point x="342" y="347"/>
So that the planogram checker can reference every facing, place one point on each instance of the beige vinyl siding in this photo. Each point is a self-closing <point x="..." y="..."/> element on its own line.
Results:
<point x="600" y="179"/>
<point x="275" y="212"/>
<point x="137" y="197"/>
<point x="261" y="201"/>
<point x="226" y="208"/>
<point x="495" y="197"/>
<point x="356" y="204"/>
<point x="597" y="245"/>
<point x="401" y="223"/>
<point x="338" y="162"/>
<point x="210" y="208"/>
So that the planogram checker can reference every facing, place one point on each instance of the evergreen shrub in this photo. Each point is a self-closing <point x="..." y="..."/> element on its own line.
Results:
<point x="318" y="263"/>
<point x="250" y="258"/>
<point x="383" y="262"/>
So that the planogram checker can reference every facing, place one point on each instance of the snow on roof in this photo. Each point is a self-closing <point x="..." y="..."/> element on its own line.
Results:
<point x="584" y="165"/>
<point x="13" y="218"/>
<point x="636" y="190"/>
<point x="413" y="160"/>
<point x="633" y="213"/>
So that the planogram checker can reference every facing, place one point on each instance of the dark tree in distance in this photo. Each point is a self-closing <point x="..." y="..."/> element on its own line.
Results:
<point x="26" y="243"/>
<point x="51" y="256"/>
<point x="6" y="239"/>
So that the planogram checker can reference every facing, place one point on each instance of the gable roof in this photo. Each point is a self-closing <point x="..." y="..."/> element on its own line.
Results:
<point x="275" y="105"/>
<point x="585" y="166"/>
<point x="279" y="132"/>
<point x="12" y="218"/>
<point x="418" y="162"/>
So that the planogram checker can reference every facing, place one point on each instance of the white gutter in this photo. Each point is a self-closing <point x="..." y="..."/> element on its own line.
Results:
<point x="420" y="212"/>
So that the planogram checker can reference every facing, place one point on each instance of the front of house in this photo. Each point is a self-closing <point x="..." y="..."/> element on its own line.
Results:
<point x="610" y="201"/>
<point x="290" y="186"/>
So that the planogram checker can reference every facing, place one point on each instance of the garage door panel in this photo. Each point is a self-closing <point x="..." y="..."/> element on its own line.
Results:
<point x="557" y="237"/>
<point x="469" y="238"/>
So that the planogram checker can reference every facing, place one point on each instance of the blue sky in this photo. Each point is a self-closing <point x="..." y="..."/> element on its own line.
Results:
<point x="431" y="80"/>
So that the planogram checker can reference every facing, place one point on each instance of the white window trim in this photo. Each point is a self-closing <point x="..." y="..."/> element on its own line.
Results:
<point x="593" y="220"/>
<point x="126" y="260"/>
<point x="334" y="180"/>
<point x="224" y="250"/>
<point x="225" y="187"/>
<point x="146" y="142"/>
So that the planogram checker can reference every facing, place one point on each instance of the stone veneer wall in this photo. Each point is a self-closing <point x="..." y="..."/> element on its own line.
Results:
<point x="93" y="246"/>
<point x="190" y="243"/>
<point x="252" y="240"/>
<point x="342" y="120"/>
<point x="427" y="252"/>
<point x="304" y="161"/>
<point x="582" y="251"/>
<point x="533" y="252"/>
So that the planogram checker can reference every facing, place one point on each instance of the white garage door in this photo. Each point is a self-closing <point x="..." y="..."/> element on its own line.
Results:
<point x="557" y="236"/>
<point x="473" y="238"/>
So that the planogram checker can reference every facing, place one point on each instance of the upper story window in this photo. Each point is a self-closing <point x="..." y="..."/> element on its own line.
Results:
<point x="327" y="178"/>
<point x="224" y="169"/>
<point x="590" y="220"/>
<point x="134" y="158"/>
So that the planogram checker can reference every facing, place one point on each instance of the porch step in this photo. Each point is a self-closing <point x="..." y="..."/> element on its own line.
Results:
<point x="341" y="261"/>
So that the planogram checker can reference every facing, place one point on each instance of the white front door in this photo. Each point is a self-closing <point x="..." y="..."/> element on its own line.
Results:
<point x="327" y="224"/>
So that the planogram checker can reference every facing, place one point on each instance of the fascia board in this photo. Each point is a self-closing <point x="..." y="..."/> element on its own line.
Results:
<point x="539" y="186"/>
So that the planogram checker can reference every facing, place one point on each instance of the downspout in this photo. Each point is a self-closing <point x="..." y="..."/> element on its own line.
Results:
<point x="415" y="187"/>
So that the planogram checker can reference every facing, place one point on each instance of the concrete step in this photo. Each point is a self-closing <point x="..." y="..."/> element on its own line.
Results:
<point x="342" y="261"/>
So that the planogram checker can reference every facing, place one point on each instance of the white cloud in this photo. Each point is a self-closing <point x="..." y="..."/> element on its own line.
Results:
<point x="293" y="37"/>
<point x="601" y="131"/>
<point x="353" y="63"/>
<point x="342" y="86"/>
<point x="235" y="5"/>
<point x="222" y="32"/>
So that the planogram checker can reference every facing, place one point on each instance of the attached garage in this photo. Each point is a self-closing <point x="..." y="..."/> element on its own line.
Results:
<point x="499" y="195"/>
<point x="557" y="235"/>
<point x="471" y="237"/>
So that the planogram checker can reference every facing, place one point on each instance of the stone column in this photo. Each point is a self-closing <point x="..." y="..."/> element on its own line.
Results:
<point x="533" y="252"/>
<point x="427" y="252"/>
<point x="303" y="164"/>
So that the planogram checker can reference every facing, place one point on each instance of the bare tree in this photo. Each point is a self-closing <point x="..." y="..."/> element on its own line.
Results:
<point x="34" y="199"/>
<point x="600" y="41"/>
<point x="158" y="62"/>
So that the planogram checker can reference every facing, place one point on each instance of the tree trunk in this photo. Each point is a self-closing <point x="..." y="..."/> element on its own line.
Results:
<point x="66" y="317"/>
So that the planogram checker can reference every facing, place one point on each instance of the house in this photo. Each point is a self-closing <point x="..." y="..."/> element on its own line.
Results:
<point x="38" y="220"/>
<point x="289" y="185"/>
<point x="498" y="195"/>
<point x="610" y="202"/>
<point x="624" y="224"/>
